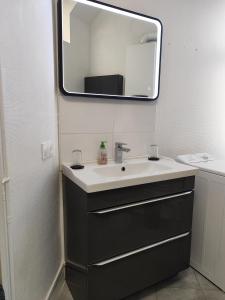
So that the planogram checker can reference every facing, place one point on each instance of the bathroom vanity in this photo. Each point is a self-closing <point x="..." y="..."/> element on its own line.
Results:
<point x="126" y="231"/>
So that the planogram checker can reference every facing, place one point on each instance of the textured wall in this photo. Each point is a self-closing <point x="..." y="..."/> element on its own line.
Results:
<point x="29" y="104"/>
<point x="190" y="108"/>
<point x="190" y="111"/>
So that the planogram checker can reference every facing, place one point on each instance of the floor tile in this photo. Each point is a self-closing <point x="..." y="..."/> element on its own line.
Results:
<point x="205" y="283"/>
<point x="65" y="294"/>
<point x="184" y="279"/>
<point x="180" y="294"/>
<point x="214" y="295"/>
<point x="187" y="285"/>
<point x="147" y="294"/>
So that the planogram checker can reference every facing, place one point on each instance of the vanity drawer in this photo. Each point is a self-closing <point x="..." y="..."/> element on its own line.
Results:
<point x="117" y="230"/>
<point x="116" y="197"/>
<point x="127" y="274"/>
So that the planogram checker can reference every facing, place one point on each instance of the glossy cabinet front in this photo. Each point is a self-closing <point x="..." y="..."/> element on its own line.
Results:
<point x="128" y="240"/>
<point x="118" y="230"/>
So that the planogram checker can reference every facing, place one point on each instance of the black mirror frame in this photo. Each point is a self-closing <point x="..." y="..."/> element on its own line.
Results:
<point x="88" y="95"/>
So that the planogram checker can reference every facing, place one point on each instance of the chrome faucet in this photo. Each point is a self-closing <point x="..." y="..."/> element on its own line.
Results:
<point x="119" y="149"/>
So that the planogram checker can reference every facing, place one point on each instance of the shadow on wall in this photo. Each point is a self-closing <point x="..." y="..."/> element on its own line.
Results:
<point x="2" y="295"/>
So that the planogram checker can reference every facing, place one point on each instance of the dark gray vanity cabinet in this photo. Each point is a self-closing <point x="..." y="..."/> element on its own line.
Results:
<point x="123" y="240"/>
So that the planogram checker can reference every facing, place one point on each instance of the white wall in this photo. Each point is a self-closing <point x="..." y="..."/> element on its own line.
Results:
<point x="190" y="111"/>
<point x="108" y="48"/>
<point x="140" y="69"/>
<point x="191" y="105"/>
<point x="29" y="104"/>
<point x="76" y="54"/>
<point x="67" y="7"/>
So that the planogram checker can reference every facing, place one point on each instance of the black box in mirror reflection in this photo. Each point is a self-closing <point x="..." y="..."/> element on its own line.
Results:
<point x="108" y="84"/>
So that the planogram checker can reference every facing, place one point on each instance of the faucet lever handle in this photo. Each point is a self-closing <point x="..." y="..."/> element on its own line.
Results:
<point x="118" y="144"/>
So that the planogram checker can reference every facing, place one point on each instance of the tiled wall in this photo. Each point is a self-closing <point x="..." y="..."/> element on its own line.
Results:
<point x="85" y="122"/>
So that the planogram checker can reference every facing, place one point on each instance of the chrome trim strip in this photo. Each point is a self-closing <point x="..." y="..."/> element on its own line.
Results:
<point x="105" y="211"/>
<point x="119" y="257"/>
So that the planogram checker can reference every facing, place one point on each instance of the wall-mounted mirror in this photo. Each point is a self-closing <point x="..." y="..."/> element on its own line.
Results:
<point x="105" y="51"/>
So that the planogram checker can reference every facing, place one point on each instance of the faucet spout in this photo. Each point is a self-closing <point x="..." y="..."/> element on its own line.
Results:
<point x="125" y="149"/>
<point x="119" y="149"/>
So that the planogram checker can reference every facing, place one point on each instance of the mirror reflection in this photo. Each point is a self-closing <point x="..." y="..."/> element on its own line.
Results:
<point x="107" y="51"/>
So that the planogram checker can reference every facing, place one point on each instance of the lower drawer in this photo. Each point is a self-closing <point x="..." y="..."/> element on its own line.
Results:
<point x="121" y="229"/>
<point x="126" y="274"/>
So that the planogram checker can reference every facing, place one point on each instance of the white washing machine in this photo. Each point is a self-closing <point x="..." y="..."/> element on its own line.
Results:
<point x="208" y="227"/>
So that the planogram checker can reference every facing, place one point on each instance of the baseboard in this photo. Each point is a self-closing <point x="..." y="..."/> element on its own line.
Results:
<point x="57" y="283"/>
<point x="195" y="265"/>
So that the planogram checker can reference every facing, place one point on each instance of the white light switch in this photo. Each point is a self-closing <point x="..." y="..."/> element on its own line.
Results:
<point x="46" y="150"/>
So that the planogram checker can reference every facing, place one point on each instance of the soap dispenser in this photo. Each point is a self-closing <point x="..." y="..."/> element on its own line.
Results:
<point x="102" y="156"/>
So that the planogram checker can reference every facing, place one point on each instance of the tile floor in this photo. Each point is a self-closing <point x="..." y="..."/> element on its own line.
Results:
<point x="187" y="285"/>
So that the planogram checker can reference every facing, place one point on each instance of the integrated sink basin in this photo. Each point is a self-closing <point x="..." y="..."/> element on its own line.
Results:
<point x="130" y="169"/>
<point x="95" y="178"/>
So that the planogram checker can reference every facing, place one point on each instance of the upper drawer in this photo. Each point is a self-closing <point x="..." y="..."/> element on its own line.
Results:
<point x="131" y="194"/>
<point x="124" y="228"/>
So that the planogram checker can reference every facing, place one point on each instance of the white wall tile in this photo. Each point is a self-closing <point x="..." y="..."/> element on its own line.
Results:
<point x="138" y="142"/>
<point x="84" y="123"/>
<point x="135" y="117"/>
<point x="77" y="115"/>
<point x="88" y="143"/>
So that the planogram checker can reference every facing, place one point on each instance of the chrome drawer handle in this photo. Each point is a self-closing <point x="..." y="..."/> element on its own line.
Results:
<point x="109" y="210"/>
<point x="119" y="257"/>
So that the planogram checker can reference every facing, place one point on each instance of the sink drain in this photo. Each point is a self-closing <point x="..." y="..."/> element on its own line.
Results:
<point x="123" y="169"/>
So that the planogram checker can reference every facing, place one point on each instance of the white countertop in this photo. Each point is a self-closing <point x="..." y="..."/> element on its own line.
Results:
<point x="95" y="178"/>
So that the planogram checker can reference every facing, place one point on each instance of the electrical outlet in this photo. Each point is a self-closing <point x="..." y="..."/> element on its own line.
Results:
<point x="46" y="150"/>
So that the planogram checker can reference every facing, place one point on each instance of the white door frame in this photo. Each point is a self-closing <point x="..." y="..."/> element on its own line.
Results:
<point x="4" y="228"/>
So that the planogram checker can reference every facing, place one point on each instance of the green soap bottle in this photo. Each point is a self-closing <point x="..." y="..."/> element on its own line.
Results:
<point x="102" y="155"/>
